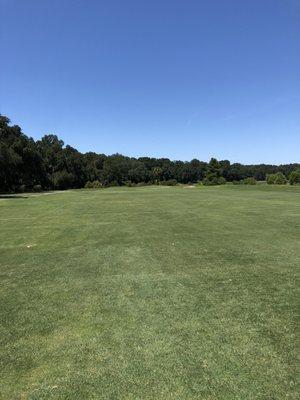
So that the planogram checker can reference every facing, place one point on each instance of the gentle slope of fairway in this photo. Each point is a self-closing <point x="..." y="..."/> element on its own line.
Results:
<point x="150" y="293"/>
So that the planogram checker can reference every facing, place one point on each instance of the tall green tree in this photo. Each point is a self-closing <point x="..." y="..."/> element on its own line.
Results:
<point x="48" y="163"/>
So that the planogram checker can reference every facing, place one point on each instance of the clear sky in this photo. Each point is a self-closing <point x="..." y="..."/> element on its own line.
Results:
<point x="180" y="79"/>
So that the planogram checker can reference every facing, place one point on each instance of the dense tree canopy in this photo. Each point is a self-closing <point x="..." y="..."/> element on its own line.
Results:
<point x="47" y="163"/>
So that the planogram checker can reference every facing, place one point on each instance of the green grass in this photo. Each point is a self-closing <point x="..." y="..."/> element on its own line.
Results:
<point x="150" y="293"/>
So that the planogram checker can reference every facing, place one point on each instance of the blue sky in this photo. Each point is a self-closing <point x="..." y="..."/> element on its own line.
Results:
<point x="168" y="78"/>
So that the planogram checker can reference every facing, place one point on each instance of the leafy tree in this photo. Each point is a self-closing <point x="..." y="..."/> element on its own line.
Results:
<point x="137" y="172"/>
<point x="63" y="180"/>
<point x="20" y="162"/>
<point x="115" y="169"/>
<point x="47" y="163"/>
<point x="157" y="174"/>
<point x="225" y="167"/>
<point x="213" y="175"/>
<point x="93" y="165"/>
<point x="294" y="177"/>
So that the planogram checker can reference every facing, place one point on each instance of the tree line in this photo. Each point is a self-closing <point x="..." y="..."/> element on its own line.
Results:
<point x="26" y="164"/>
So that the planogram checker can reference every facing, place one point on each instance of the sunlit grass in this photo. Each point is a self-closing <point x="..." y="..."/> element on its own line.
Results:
<point x="150" y="293"/>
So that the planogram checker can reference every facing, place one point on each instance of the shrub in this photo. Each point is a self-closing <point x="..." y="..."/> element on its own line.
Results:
<point x="169" y="182"/>
<point x="88" y="185"/>
<point x="294" y="177"/>
<point x="37" y="188"/>
<point x="19" y="189"/>
<point x="270" y="179"/>
<point x="96" y="185"/>
<point x="130" y="184"/>
<point x="93" y="185"/>
<point x="276" y="179"/>
<point x="249" y="181"/>
<point x="214" y="180"/>
<point x="144" y="184"/>
<point x="113" y="183"/>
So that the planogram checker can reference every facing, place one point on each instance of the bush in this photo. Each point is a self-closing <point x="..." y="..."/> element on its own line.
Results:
<point x="93" y="185"/>
<point x="113" y="183"/>
<point x="270" y="179"/>
<point x="169" y="182"/>
<point x="96" y="185"/>
<point x="214" y="180"/>
<point x="130" y="184"/>
<point x="294" y="177"/>
<point x="88" y="185"/>
<point x="276" y="179"/>
<point x="222" y="181"/>
<point x="249" y="181"/>
<point x="144" y="184"/>
<point x="19" y="189"/>
<point x="37" y="188"/>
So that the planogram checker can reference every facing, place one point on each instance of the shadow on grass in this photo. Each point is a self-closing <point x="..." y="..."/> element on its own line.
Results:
<point x="13" y="196"/>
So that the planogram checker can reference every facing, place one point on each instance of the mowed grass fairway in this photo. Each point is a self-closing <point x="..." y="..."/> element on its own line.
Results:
<point x="150" y="293"/>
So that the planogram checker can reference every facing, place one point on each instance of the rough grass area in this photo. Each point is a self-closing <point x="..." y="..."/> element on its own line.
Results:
<point x="150" y="293"/>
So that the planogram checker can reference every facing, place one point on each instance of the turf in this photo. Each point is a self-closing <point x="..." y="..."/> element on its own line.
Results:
<point x="150" y="293"/>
